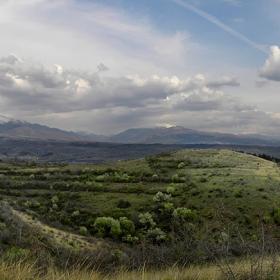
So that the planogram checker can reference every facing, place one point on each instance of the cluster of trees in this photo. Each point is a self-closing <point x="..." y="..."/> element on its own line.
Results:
<point x="146" y="225"/>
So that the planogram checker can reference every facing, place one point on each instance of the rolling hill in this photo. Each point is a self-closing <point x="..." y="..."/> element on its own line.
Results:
<point x="174" y="208"/>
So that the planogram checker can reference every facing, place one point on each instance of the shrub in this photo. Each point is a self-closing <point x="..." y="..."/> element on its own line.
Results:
<point x="168" y="207"/>
<point x="155" y="177"/>
<point x="146" y="220"/>
<point x="156" y="234"/>
<point x="123" y="204"/>
<point x="16" y="253"/>
<point x="54" y="199"/>
<point x="181" y="165"/>
<point x="162" y="197"/>
<point x="107" y="226"/>
<point x="130" y="239"/>
<point x="83" y="230"/>
<point x="175" y="178"/>
<point x="86" y="170"/>
<point x="170" y="190"/>
<point x="184" y="213"/>
<point x="75" y="214"/>
<point x="127" y="226"/>
<point x="100" y="178"/>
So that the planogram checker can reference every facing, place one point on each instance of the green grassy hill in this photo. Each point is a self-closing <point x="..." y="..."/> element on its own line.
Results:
<point x="177" y="207"/>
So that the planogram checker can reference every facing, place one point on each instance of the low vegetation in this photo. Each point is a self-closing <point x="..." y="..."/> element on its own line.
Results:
<point x="171" y="211"/>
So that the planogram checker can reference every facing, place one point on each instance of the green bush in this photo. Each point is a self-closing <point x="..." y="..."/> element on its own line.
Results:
<point x="162" y="197"/>
<point x="146" y="221"/>
<point x="130" y="239"/>
<point x="184" y="213"/>
<point x="100" y="178"/>
<point x="107" y="226"/>
<point x="83" y="230"/>
<point x="181" y="165"/>
<point x="170" y="190"/>
<point x="167" y="207"/>
<point x="127" y="226"/>
<point x="16" y="253"/>
<point x="175" y="178"/>
<point x="156" y="234"/>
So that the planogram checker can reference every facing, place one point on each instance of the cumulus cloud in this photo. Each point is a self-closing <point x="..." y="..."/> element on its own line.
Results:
<point x="35" y="86"/>
<point x="223" y="81"/>
<point x="271" y="67"/>
<point x="10" y="59"/>
<point x="82" y="98"/>
<point x="206" y="99"/>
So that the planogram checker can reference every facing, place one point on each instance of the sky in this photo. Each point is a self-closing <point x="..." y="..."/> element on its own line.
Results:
<point x="107" y="66"/>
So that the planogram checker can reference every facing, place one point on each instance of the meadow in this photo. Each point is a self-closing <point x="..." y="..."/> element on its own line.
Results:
<point x="188" y="214"/>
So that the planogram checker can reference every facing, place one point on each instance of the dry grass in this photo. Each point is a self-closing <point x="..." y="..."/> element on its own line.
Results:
<point x="240" y="270"/>
<point x="59" y="236"/>
<point x="25" y="271"/>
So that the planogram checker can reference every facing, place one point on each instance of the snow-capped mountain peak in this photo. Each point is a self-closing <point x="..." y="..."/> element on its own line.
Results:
<point x="4" y="120"/>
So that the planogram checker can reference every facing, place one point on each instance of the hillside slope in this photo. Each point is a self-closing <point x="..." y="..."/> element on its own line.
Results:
<point x="178" y="207"/>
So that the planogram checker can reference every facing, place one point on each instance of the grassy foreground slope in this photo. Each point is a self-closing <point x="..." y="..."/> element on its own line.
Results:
<point x="189" y="206"/>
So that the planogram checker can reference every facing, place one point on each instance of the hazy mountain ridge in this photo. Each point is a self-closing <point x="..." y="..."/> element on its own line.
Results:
<point x="14" y="128"/>
<point x="181" y="135"/>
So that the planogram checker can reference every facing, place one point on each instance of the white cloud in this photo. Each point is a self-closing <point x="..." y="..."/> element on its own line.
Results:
<point x="82" y="98"/>
<point x="34" y="86"/>
<point x="152" y="71"/>
<point x="271" y="68"/>
<point x="205" y="99"/>
<point x="80" y="34"/>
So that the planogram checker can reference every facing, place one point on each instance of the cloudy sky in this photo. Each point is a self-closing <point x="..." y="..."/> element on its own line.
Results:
<point x="106" y="66"/>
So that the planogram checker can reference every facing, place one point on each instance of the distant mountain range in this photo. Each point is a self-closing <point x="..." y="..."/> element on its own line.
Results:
<point x="12" y="128"/>
<point x="181" y="135"/>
